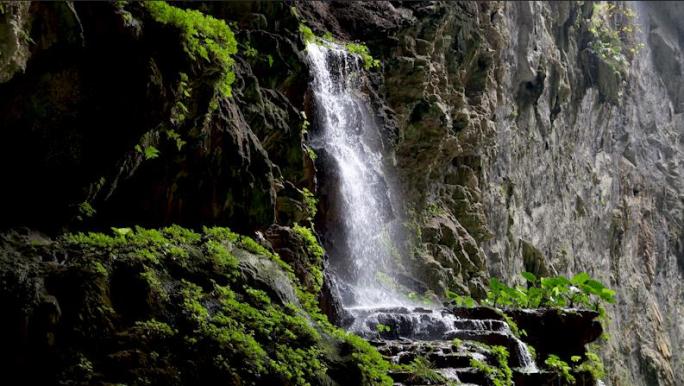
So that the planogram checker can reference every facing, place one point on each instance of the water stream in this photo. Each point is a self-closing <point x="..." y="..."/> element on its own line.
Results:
<point x="349" y="135"/>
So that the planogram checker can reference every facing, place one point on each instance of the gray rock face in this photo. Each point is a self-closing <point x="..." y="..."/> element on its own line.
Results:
<point x="596" y="186"/>
<point x="515" y="137"/>
<point x="572" y="165"/>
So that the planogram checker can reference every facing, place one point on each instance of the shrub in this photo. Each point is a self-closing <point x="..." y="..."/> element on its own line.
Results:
<point x="558" y="291"/>
<point x="613" y="34"/>
<point x="205" y="38"/>
<point x="562" y="368"/>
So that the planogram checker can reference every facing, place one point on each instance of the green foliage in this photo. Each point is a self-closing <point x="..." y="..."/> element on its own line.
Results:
<point x="422" y="371"/>
<point x="500" y="375"/>
<point x="505" y="374"/>
<point x="380" y="328"/>
<point x="311" y="152"/>
<point x="85" y="210"/>
<point x="362" y="51"/>
<point x="310" y="202"/>
<point x="592" y="364"/>
<point x="217" y="321"/>
<point x="354" y="48"/>
<point x="513" y="326"/>
<point x="204" y="38"/>
<point x="153" y="330"/>
<point x="461" y="300"/>
<point x="250" y="51"/>
<point x="307" y="34"/>
<point x="373" y="366"/>
<point x="562" y="368"/>
<point x="433" y="209"/>
<point x="558" y="291"/>
<point x="312" y="245"/>
<point x="148" y="151"/>
<point x="316" y="252"/>
<point x="613" y="34"/>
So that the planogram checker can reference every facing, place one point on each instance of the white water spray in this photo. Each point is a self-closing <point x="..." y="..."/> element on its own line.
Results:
<point x="349" y="134"/>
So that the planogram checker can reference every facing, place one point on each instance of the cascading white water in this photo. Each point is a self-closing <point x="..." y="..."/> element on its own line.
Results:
<point x="346" y="134"/>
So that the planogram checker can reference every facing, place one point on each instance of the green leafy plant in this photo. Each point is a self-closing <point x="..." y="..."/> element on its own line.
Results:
<point x="307" y="34"/>
<point x="205" y="38"/>
<point x="250" y="51"/>
<point x="148" y="151"/>
<point x="85" y="210"/>
<point x="382" y="328"/>
<point x="461" y="300"/>
<point x="613" y="32"/>
<point x="359" y="49"/>
<point x="562" y="368"/>
<point x="558" y="291"/>
<point x="310" y="202"/>
<point x="362" y="50"/>
<point x="499" y="376"/>
<point x="592" y="365"/>
<point x="422" y="371"/>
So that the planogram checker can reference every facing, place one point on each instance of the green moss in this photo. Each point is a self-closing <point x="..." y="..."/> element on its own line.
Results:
<point x="500" y="375"/>
<point x="373" y="366"/>
<point x="220" y="255"/>
<point x="505" y="375"/>
<point x="195" y="326"/>
<point x="360" y="49"/>
<point x="364" y="53"/>
<point x="310" y="201"/>
<point x="85" y="210"/>
<point x="307" y="34"/>
<point x="205" y="37"/>
<point x="153" y="330"/>
<point x="316" y="253"/>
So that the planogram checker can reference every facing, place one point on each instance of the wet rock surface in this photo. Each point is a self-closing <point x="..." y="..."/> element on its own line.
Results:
<point x="449" y="341"/>
<point x="563" y="332"/>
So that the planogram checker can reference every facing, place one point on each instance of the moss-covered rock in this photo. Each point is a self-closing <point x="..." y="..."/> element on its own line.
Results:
<point x="167" y="307"/>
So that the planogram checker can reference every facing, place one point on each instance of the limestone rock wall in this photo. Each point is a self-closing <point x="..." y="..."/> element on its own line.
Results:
<point x="521" y="149"/>
<point x="511" y="129"/>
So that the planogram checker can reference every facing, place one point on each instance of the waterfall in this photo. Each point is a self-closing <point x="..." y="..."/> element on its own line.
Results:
<point x="349" y="136"/>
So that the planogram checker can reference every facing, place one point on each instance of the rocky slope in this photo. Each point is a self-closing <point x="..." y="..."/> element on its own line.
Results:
<point x="518" y="145"/>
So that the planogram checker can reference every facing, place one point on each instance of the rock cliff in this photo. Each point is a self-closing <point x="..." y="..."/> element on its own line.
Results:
<point x="525" y="136"/>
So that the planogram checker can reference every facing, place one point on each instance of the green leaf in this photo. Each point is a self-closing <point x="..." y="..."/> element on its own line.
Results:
<point x="580" y="278"/>
<point x="151" y="152"/>
<point x="529" y="277"/>
<point x="122" y="231"/>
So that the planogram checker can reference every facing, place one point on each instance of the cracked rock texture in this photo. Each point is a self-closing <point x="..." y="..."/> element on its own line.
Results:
<point x="520" y="149"/>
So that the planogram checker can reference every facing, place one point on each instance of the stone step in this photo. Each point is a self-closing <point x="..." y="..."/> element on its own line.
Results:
<point x="480" y="325"/>
<point x="471" y="375"/>
<point x="442" y="361"/>
<point x="492" y="338"/>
